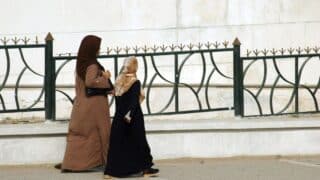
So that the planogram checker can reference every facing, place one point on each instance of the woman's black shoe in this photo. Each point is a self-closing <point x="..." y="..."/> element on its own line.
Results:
<point x="67" y="171"/>
<point x="150" y="172"/>
<point x="94" y="169"/>
<point x="58" y="166"/>
<point x="138" y="174"/>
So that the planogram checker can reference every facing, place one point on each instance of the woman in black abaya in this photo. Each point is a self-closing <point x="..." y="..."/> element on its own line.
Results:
<point x="129" y="152"/>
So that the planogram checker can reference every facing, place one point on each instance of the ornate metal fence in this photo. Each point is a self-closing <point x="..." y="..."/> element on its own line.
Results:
<point x="267" y="83"/>
<point x="284" y="82"/>
<point x="169" y="75"/>
<point x="18" y="47"/>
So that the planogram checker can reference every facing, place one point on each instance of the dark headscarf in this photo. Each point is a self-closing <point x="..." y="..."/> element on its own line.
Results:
<point x="87" y="54"/>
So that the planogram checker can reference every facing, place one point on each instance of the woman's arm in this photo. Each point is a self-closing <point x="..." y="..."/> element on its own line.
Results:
<point x="133" y="100"/>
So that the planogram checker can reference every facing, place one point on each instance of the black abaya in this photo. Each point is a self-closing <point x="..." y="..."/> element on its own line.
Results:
<point x="129" y="151"/>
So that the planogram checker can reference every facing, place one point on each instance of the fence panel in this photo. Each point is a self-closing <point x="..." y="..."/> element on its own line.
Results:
<point x="176" y="79"/>
<point x="281" y="83"/>
<point x="22" y="69"/>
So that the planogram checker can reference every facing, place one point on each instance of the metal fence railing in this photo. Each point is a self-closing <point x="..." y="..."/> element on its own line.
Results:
<point x="289" y="71"/>
<point x="176" y="58"/>
<point x="249" y="99"/>
<point x="7" y="64"/>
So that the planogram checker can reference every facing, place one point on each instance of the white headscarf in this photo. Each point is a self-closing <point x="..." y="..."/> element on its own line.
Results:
<point x="127" y="77"/>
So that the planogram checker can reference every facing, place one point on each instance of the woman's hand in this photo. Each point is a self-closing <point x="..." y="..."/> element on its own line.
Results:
<point x="106" y="74"/>
<point x="112" y="93"/>
<point x="127" y="117"/>
<point x="127" y="120"/>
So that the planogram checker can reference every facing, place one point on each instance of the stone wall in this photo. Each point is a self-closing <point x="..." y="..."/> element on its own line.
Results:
<point x="258" y="24"/>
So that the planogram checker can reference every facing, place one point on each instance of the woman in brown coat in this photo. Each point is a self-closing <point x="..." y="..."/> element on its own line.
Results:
<point x="89" y="127"/>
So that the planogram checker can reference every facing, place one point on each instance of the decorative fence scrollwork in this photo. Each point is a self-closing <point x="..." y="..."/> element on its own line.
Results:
<point x="188" y="72"/>
<point x="14" y="49"/>
<point x="177" y="58"/>
<point x="287" y="77"/>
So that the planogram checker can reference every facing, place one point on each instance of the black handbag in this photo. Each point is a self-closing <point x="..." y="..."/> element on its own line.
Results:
<point x="99" y="91"/>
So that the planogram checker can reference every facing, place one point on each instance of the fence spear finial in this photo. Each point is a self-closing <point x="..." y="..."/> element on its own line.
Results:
<point x="163" y="47"/>
<point x="290" y="50"/>
<point x="4" y="41"/>
<point x="299" y="50"/>
<point x="127" y="49"/>
<point x="181" y="46"/>
<point x="154" y="48"/>
<point x="136" y="49"/>
<point x="248" y="52"/>
<point x="15" y="40"/>
<point x="25" y="40"/>
<point x="265" y="51"/>
<point x="236" y="42"/>
<point x="118" y="49"/>
<point x="109" y="50"/>
<point x="282" y="51"/>
<point x="190" y="46"/>
<point x="172" y="47"/>
<point x="256" y="52"/>
<point x="308" y="50"/>
<point x="225" y="43"/>
<point x="49" y="37"/>
<point x="208" y="45"/>
<point x="199" y="45"/>
<point x="216" y="44"/>
<point x="145" y="48"/>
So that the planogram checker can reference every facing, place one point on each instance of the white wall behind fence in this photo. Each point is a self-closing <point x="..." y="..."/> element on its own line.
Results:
<point x="257" y="23"/>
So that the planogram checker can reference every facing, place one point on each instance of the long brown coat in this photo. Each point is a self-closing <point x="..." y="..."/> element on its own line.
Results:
<point x="89" y="127"/>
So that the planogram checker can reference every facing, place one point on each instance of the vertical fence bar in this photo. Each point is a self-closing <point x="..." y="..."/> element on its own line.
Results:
<point x="49" y="100"/>
<point x="296" y="84"/>
<point x="53" y="84"/>
<point x="237" y="79"/>
<point x="176" y="82"/>
<point x="116" y="70"/>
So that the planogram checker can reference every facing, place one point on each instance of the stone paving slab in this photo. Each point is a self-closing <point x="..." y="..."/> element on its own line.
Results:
<point x="191" y="169"/>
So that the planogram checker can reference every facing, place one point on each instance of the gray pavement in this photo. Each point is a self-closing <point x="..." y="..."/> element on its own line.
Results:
<point x="267" y="168"/>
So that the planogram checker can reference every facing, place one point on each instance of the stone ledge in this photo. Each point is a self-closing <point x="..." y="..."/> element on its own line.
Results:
<point x="175" y="137"/>
<point x="154" y="125"/>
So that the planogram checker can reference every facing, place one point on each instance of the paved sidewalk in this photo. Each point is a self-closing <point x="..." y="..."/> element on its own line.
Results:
<point x="294" y="168"/>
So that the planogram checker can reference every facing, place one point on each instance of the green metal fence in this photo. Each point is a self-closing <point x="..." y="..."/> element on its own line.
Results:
<point x="179" y="56"/>
<point x="288" y="76"/>
<point x="20" y="46"/>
